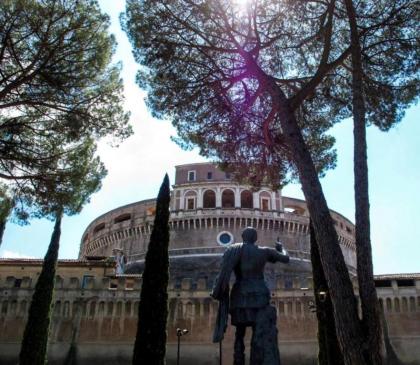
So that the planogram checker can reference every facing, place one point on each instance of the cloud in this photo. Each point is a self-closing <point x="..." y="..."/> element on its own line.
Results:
<point x="14" y="255"/>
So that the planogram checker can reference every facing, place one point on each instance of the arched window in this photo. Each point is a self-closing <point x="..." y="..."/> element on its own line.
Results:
<point x="99" y="227"/>
<point x="209" y="199"/>
<point x="122" y="218"/>
<point x="228" y="199"/>
<point x="265" y="201"/>
<point x="190" y="200"/>
<point x="247" y="200"/>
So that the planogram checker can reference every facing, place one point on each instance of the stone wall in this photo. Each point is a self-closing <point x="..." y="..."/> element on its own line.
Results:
<point x="99" y="311"/>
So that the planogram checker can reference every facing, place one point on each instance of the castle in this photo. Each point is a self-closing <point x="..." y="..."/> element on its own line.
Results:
<point x="95" y="310"/>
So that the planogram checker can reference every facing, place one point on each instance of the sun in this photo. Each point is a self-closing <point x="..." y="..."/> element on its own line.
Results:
<point x="241" y="4"/>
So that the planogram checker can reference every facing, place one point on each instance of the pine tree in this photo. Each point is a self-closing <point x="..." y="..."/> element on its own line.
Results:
<point x="35" y="337"/>
<point x="150" y="344"/>
<point x="6" y="207"/>
<point x="51" y="199"/>
<point x="260" y="83"/>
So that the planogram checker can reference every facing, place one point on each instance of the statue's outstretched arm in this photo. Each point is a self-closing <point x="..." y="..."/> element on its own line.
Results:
<point x="279" y="254"/>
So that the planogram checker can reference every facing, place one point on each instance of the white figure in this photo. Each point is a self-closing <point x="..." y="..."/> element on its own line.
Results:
<point x="120" y="262"/>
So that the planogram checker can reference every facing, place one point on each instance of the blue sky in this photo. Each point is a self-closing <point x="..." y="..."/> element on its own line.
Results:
<point x="137" y="167"/>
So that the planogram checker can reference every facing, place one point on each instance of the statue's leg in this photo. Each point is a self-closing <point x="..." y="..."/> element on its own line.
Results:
<point x="256" y="353"/>
<point x="239" y="348"/>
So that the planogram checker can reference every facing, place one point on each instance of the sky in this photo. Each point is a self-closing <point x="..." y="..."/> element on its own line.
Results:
<point x="137" y="167"/>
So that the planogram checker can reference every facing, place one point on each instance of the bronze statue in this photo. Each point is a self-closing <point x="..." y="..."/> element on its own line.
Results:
<point x="249" y="301"/>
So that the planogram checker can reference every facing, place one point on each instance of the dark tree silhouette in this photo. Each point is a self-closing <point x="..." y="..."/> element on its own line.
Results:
<point x="259" y="86"/>
<point x="52" y="199"/>
<point x="150" y="344"/>
<point x="35" y="337"/>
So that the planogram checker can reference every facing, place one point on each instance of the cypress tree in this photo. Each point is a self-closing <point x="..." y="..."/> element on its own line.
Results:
<point x="35" y="337"/>
<point x="150" y="344"/>
<point x="329" y="350"/>
<point x="6" y="207"/>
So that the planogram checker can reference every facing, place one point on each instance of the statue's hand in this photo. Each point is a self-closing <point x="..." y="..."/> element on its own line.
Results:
<point x="279" y="247"/>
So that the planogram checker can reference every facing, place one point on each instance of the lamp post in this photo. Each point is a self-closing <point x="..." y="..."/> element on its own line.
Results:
<point x="179" y="333"/>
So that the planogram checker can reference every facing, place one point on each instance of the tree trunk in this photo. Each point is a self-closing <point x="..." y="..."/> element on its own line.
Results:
<point x="35" y="337"/>
<point x="150" y="344"/>
<point x="329" y="350"/>
<point x="368" y="297"/>
<point x="349" y="331"/>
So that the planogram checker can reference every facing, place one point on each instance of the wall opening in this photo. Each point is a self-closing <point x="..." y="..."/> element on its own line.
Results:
<point x="209" y="199"/>
<point x="228" y="199"/>
<point x="247" y="200"/>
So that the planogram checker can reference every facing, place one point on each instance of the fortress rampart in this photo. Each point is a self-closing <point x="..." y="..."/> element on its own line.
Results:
<point x="208" y="205"/>
<point x="97" y="311"/>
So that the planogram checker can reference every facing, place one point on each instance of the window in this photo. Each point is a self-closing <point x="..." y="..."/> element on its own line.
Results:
<point x="17" y="283"/>
<point x="129" y="285"/>
<point x="209" y="199"/>
<point x="225" y="238"/>
<point x="191" y="175"/>
<point x="209" y="175"/>
<point x="85" y="280"/>
<point x="190" y="203"/>
<point x="288" y="283"/>
<point x="246" y="200"/>
<point x="227" y="176"/>
<point x="190" y="199"/>
<point x="265" y="204"/>
<point x="99" y="227"/>
<point x="381" y="283"/>
<point x="228" y="199"/>
<point x="122" y="218"/>
<point x="405" y="282"/>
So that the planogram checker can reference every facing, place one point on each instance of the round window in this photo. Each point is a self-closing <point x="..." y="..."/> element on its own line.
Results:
<point x="224" y="238"/>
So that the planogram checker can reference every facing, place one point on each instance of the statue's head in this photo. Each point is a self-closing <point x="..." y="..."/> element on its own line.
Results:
<point x="249" y="235"/>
